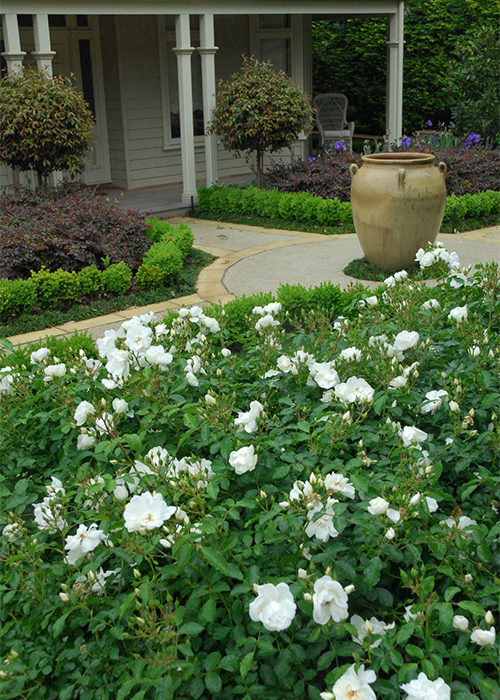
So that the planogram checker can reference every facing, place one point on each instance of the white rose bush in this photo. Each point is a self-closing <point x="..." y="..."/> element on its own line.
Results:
<point x="258" y="501"/>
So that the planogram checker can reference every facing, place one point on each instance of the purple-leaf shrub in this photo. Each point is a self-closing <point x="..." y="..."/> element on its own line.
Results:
<point x="68" y="227"/>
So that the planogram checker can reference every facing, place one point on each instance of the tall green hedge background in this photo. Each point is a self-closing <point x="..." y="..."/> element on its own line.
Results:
<point x="349" y="56"/>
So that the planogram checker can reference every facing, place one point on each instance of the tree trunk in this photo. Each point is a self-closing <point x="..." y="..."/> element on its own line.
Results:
<point x="259" y="169"/>
<point x="40" y="178"/>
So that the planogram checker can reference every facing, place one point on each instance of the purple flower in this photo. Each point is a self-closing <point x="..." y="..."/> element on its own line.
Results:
<point x="311" y="159"/>
<point x="339" y="147"/>
<point x="428" y="123"/>
<point x="406" y="142"/>
<point x="472" y="139"/>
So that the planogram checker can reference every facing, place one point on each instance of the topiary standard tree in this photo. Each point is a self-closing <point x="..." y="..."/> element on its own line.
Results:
<point x="45" y="124"/>
<point x="260" y="110"/>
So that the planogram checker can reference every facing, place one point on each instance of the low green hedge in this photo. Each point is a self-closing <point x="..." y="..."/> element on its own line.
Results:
<point x="45" y="289"/>
<point x="306" y="208"/>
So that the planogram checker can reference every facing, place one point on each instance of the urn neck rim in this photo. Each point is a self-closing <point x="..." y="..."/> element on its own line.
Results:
<point x="399" y="159"/>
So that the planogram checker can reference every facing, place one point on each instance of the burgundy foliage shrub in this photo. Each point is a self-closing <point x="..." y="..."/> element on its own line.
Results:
<point x="470" y="170"/>
<point x="68" y="227"/>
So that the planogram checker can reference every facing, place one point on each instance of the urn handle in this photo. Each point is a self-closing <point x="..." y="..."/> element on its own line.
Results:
<point x="443" y="168"/>
<point x="353" y="169"/>
<point x="401" y="177"/>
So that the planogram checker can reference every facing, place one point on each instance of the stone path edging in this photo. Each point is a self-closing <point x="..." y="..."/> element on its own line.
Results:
<point x="210" y="284"/>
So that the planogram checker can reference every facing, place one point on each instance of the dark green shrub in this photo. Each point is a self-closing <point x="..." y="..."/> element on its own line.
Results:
<point x="166" y="255"/>
<point x="117" y="278"/>
<point x="53" y="287"/>
<point x="151" y="277"/>
<point x="294" y="297"/>
<point x="235" y="314"/>
<point x="16" y="296"/>
<point x="157" y="229"/>
<point x="90" y="281"/>
<point x="328" y="297"/>
<point x="474" y="86"/>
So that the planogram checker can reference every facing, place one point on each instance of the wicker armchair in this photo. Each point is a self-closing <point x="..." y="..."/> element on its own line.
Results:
<point x="331" y="109"/>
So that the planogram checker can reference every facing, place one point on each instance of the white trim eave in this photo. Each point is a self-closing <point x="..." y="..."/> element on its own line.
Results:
<point x="217" y="7"/>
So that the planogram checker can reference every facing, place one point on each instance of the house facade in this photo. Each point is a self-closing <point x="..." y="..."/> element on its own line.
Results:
<point x="149" y="71"/>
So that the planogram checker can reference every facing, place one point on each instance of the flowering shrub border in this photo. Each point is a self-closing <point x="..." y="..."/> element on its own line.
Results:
<point x="314" y="516"/>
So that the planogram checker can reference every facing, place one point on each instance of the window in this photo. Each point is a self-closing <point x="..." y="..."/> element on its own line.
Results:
<point x="173" y="92"/>
<point x="272" y="40"/>
<point x="170" y="81"/>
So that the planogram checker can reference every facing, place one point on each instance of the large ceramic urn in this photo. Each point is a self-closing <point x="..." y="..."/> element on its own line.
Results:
<point x="398" y="202"/>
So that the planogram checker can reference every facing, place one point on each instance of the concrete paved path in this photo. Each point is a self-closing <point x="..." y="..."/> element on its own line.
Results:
<point x="252" y="259"/>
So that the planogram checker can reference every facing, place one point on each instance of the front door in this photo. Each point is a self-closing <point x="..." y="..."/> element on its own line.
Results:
<point x="85" y="47"/>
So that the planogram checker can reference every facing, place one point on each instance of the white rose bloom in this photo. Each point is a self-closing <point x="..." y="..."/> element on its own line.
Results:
<point x="266" y="321"/>
<point x="324" y="374"/>
<point x="405" y="340"/>
<point x="157" y="355"/>
<point x="350" y="354"/>
<point x="427" y="259"/>
<point x="139" y="338"/>
<point x="96" y="579"/>
<point x="271" y="373"/>
<point x="83" y="411"/>
<point x="400" y="276"/>
<point x="408" y="616"/>
<point x="105" y="424"/>
<point x="209" y="399"/>
<point x="393" y="515"/>
<point x="121" y="491"/>
<point x="120" y="406"/>
<point x="192" y="379"/>
<point x="398" y="382"/>
<point x="460" y="622"/>
<point x="390" y="534"/>
<point x="118" y="363"/>
<point x="211" y="323"/>
<point x="55" y="486"/>
<point x="272" y="308"/>
<point x="423" y="689"/>
<point x="474" y="351"/>
<point x="225" y="352"/>
<point x="39" y="356"/>
<point x="463" y="522"/>
<point x="85" y="440"/>
<point x="47" y="515"/>
<point x="146" y="512"/>
<point x="434" y="401"/>
<point x="458" y="314"/>
<point x="284" y="363"/>
<point x="107" y="343"/>
<point x="329" y="600"/>
<point x="52" y="371"/>
<point x="378" y="506"/>
<point x="372" y="626"/>
<point x="484" y="638"/>
<point x="248" y="421"/>
<point x="12" y="531"/>
<point x="85" y="540"/>
<point x="411" y="435"/>
<point x="457" y="280"/>
<point x="355" y="389"/>
<point x="339" y="483"/>
<point x="372" y="301"/>
<point x="322" y="528"/>
<point x="6" y="381"/>
<point x="301" y="489"/>
<point x="274" y="607"/>
<point x="259" y="310"/>
<point x="243" y="460"/>
<point x="430" y="304"/>
<point x="432" y="504"/>
<point x="390" y="281"/>
<point x="355" y="685"/>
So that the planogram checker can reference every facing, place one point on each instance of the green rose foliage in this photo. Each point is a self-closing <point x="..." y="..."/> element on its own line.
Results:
<point x="260" y="110"/>
<point x="45" y="124"/>
<point x="161" y="610"/>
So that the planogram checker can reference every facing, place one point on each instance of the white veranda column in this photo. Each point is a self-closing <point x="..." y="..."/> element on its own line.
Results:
<point x="12" y="54"/>
<point x="42" y="53"/>
<point x="394" y="106"/>
<point x="207" y="51"/>
<point x="183" y="51"/>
